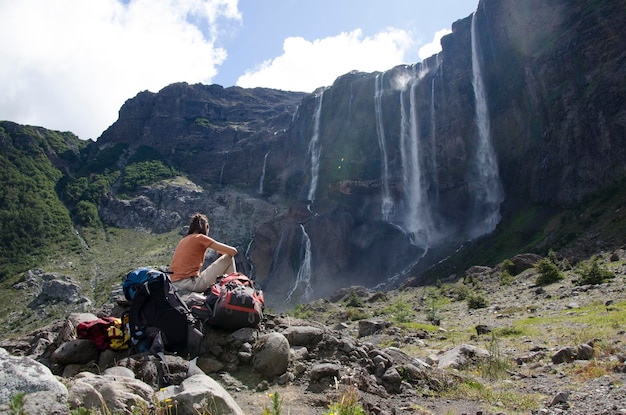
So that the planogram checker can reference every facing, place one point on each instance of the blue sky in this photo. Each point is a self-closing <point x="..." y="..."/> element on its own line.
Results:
<point x="70" y="65"/>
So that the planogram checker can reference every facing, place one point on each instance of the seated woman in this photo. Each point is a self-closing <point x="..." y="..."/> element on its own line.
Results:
<point x="189" y="257"/>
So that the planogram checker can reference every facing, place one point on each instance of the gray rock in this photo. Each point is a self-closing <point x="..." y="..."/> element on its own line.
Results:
<point x="271" y="355"/>
<point x="369" y="327"/>
<point x="324" y="370"/>
<point x="119" y="371"/>
<point x="210" y="365"/>
<point x="200" y="394"/>
<point x="564" y="355"/>
<point x="84" y="395"/>
<point x="44" y="402"/>
<point x="461" y="356"/>
<point x="23" y="374"/>
<point x="119" y="393"/>
<point x="57" y="291"/>
<point x="303" y="335"/>
<point x="77" y="351"/>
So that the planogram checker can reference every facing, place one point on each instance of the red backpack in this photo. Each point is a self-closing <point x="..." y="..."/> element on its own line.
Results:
<point x="96" y="331"/>
<point x="233" y="302"/>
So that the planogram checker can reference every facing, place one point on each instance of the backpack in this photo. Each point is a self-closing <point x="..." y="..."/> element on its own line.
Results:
<point x="232" y="303"/>
<point x="96" y="331"/>
<point x="135" y="279"/>
<point x="119" y="333"/>
<point x="160" y="321"/>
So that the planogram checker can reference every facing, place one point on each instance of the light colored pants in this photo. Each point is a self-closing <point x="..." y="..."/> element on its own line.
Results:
<point x="225" y="264"/>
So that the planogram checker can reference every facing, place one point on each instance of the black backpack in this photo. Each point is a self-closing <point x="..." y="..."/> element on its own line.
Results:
<point x="161" y="322"/>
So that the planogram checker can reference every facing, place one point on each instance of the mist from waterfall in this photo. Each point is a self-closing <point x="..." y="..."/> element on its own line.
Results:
<point x="263" y="173"/>
<point x="303" y="278"/>
<point x="314" y="148"/>
<point x="387" y="204"/>
<point x="485" y="186"/>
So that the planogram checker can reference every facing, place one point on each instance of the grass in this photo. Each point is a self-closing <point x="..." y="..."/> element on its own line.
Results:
<point x="577" y="326"/>
<point x="98" y="267"/>
<point x="500" y="395"/>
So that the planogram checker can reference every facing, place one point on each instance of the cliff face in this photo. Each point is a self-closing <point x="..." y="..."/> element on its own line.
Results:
<point x="524" y="103"/>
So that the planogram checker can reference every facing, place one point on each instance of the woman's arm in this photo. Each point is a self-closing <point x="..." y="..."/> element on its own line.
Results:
<point x="223" y="248"/>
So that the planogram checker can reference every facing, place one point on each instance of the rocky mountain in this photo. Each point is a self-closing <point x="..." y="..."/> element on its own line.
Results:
<point x="380" y="175"/>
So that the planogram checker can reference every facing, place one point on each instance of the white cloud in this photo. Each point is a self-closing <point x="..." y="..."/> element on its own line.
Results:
<point x="305" y="65"/>
<point x="71" y="64"/>
<point x="433" y="47"/>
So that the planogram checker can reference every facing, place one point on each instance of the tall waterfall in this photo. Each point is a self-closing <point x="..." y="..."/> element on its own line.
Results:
<point x="303" y="278"/>
<point x="434" y="167"/>
<point x="315" y="148"/>
<point x="417" y="218"/>
<point x="485" y="185"/>
<point x="387" y="205"/>
<point x="263" y="173"/>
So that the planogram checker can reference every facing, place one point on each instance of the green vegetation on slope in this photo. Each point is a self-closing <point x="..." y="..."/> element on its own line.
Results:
<point x="32" y="218"/>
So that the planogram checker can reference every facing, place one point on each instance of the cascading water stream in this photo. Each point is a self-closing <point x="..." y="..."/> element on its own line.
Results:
<point x="303" y="278"/>
<point x="418" y="221"/>
<point x="486" y="188"/>
<point x="263" y="173"/>
<point x="387" y="205"/>
<point x="433" y="144"/>
<point x="314" y="148"/>
<point x="222" y="172"/>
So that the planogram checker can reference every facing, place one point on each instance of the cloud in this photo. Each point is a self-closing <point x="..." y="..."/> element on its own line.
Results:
<point x="71" y="64"/>
<point x="306" y="65"/>
<point x="433" y="47"/>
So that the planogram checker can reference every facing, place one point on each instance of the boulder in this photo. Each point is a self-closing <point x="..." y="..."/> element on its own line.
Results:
<point x="25" y="375"/>
<point x="77" y="351"/>
<point x="461" y="356"/>
<point x="303" y="335"/>
<point x="120" y="393"/>
<point x="199" y="394"/>
<point x="271" y="355"/>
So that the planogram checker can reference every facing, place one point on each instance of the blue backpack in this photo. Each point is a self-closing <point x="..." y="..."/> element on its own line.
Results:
<point x="133" y="281"/>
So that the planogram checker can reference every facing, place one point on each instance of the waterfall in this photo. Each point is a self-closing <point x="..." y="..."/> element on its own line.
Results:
<point x="315" y="148"/>
<point x="433" y="143"/>
<point x="263" y="173"/>
<point x="303" y="278"/>
<point x="222" y="172"/>
<point x="387" y="206"/>
<point x="417" y="220"/>
<point x="485" y="186"/>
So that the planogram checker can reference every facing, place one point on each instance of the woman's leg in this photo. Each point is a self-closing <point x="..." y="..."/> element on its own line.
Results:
<point x="222" y="265"/>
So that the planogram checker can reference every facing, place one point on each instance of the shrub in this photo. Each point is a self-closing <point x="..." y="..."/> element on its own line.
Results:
<point x="593" y="274"/>
<point x="506" y="278"/>
<point x="548" y="272"/>
<point x="508" y="266"/>
<point x="401" y="311"/>
<point x="354" y="300"/>
<point x="144" y="173"/>
<point x="476" y="300"/>
<point x="87" y="214"/>
<point x="460" y="292"/>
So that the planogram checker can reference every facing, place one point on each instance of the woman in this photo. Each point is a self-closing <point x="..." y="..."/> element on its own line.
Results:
<point x="189" y="257"/>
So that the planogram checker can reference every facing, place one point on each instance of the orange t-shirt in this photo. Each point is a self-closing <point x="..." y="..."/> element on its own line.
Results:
<point x="189" y="256"/>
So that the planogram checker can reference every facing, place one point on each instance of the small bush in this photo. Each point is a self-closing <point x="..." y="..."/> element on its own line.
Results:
<point x="476" y="300"/>
<point x="506" y="278"/>
<point x="401" y="311"/>
<point x="354" y="300"/>
<point x="460" y="292"/>
<point x="508" y="266"/>
<point x="593" y="274"/>
<point x="548" y="272"/>
<point x="348" y="405"/>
